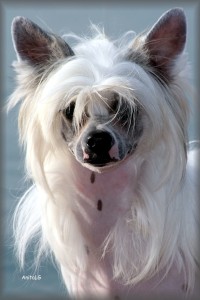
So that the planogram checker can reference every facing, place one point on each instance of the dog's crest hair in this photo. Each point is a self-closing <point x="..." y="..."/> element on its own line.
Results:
<point x="85" y="74"/>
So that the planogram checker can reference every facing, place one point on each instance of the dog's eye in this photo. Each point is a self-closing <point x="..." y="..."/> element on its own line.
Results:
<point x="69" y="111"/>
<point x="114" y="106"/>
<point x="115" y="103"/>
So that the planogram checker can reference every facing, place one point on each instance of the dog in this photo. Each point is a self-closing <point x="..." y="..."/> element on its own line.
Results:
<point x="104" y="128"/>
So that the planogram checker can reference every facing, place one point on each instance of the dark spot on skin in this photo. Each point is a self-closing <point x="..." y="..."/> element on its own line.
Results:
<point x="184" y="287"/>
<point x="87" y="250"/>
<point x="92" y="177"/>
<point x="116" y="298"/>
<point x="99" y="205"/>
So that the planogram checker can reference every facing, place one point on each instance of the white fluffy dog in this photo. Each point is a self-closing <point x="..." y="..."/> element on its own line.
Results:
<point x="104" y="127"/>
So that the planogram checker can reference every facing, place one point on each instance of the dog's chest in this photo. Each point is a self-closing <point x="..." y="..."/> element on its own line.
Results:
<point x="101" y="199"/>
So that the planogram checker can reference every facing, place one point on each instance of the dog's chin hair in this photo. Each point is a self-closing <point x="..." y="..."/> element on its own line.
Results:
<point x="164" y="201"/>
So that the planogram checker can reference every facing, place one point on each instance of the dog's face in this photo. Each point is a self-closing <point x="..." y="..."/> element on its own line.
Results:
<point x="107" y="99"/>
<point x="108" y="129"/>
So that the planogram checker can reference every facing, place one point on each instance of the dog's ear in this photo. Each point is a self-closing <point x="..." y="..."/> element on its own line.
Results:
<point x="166" y="40"/>
<point x="35" y="46"/>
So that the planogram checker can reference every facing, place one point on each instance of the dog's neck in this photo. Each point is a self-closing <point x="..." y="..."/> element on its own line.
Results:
<point x="102" y="198"/>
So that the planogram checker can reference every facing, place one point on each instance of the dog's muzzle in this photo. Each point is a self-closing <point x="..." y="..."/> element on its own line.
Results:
<point x="97" y="148"/>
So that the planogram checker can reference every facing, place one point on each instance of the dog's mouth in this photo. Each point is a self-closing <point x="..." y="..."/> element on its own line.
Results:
<point x="99" y="159"/>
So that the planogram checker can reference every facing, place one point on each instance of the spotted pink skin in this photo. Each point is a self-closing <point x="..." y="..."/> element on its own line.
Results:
<point x="101" y="199"/>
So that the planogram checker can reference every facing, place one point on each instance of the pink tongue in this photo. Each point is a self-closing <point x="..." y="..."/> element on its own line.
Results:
<point x="114" y="153"/>
<point x="85" y="155"/>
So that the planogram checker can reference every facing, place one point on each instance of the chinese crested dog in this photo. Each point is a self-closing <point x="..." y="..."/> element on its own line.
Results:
<point x="104" y="126"/>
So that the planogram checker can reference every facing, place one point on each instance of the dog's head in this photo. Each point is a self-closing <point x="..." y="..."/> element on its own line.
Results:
<point x="102" y="100"/>
<point x="102" y="131"/>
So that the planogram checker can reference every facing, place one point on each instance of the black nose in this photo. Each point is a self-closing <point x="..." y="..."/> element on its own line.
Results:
<point x="99" y="142"/>
<point x="97" y="146"/>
